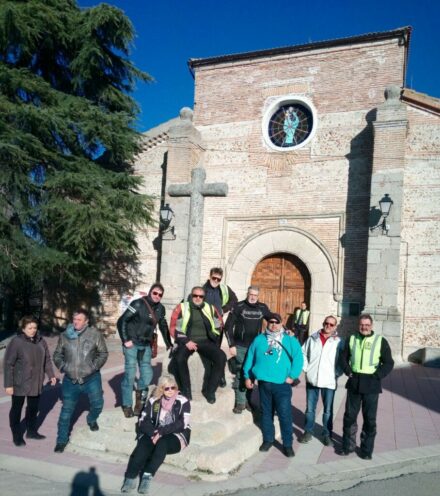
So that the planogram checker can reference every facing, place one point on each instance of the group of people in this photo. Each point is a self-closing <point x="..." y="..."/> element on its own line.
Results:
<point x="273" y="358"/>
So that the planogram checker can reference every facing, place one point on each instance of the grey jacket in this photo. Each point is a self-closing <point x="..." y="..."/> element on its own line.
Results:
<point x="25" y="363"/>
<point x="79" y="355"/>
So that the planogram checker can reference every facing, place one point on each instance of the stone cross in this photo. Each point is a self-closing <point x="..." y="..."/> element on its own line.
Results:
<point x="197" y="189"/>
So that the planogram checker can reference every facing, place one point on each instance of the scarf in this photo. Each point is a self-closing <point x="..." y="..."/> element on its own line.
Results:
<point x="167" y="403"/>
<point x="273" y="340"/>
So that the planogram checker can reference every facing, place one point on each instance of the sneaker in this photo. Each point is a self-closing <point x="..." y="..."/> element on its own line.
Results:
<point x="306" y="437"/>
<point x="59" y="448"/>
<point x="266" y="446"/>
<point x="327" y="441"/>
<point x="34" y="435"/>
<point x="144" y="486"/>
<point x="239" y="408"/>
<point x="288" y="451"/>
<point x="94" y="426"/>
<point x="128" y="485"/>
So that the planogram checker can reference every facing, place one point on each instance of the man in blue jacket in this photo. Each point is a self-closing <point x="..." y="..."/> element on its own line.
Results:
<point x="275" y="360"/>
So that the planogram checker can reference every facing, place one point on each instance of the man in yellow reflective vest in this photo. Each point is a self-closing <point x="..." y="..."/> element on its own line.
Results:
<point x="224" y="299"/>
<point x="366" y="359"/>
<point x="301" y="323"/>
<point x="196" y="326"/>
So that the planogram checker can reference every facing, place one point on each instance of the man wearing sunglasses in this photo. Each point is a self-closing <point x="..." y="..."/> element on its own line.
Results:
<point x="224" y="299"/>
<point x="196" y="326"/>
<point x="275" y="360"/>
<point x="366" y="359"/>
<point x="136" y="327"/>
<point x="321" y="352"/>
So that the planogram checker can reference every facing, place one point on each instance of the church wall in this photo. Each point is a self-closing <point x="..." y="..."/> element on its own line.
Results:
<point x="329" y="176"/>
<point x="420" y="252"/>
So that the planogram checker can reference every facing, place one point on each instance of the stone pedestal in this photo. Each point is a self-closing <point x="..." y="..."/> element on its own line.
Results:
<point x="220" y="440"/>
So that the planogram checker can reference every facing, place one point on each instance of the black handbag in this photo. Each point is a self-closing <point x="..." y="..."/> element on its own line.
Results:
<point x="233" y="365"/>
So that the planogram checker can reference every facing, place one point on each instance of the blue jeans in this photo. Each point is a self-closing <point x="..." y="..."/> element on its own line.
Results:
<point x="327" y="396"/>
<point x="71" y="392"/>
<point x="134" y="356"/>
<point x="276" y="397"/>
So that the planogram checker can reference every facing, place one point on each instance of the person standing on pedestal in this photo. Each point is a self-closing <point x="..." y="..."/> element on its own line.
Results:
<point x="275" y="360"/>
<point x="224" y="299"/>
<point x="196" y="326"/>
<point x="321" y="354"/>
<point x="81" y="352"/>
<point x="26" y="360"/>
<point x="366" y="359"/>
<point x="243" y="325"/>
<point x="136" y="327"/>
<point x="301" y="323"/>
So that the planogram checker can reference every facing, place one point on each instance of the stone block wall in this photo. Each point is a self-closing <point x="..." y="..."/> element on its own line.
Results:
<point x="329" y="176"/>
<point x="420" y="253"/>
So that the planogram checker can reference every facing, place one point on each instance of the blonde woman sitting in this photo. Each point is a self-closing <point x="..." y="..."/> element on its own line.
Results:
<point x="163" y="430"/>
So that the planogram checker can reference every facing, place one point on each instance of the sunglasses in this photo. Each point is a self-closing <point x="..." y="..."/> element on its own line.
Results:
<point x="155" y="293"/>
<point x="273" y="322"/>
<point x="170" y="388"/>
<point x="329" y="324"/>
<point x="215" y="278"/>
<point x="198" y="296"/>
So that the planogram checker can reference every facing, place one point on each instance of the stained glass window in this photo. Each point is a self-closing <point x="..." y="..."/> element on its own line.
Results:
<point x="290" y="125"/>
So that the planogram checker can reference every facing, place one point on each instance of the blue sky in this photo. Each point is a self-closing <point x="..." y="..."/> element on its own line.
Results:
<point x="169" y="32"/>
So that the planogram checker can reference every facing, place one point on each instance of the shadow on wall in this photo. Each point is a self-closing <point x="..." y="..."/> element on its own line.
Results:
<point x="355" y="239"/>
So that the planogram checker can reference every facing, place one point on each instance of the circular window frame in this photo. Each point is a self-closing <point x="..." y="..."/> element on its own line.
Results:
<point x="274" y="107"/>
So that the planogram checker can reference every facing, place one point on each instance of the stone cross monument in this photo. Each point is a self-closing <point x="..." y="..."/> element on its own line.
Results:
<point x="197" y="189"/>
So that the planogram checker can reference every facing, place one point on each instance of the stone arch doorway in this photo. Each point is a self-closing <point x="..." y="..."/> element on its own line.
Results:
<point x="284" y="283"/>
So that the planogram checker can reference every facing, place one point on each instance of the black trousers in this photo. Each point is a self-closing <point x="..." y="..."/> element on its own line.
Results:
<point x="30" y="415"/>
<point x="148" y="457"/>
<point x="211" y="352"/>
<point x="353" y="404"/>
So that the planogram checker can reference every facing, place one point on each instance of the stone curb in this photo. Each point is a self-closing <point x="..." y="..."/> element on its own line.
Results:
<point x="399" y="462"/>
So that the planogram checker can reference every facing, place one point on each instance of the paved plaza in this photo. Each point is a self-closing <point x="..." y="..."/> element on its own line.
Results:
<point x="408" y="440"/>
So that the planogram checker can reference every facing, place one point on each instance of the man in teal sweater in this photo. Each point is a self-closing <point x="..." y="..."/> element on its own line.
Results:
<point x="275" y="360"/>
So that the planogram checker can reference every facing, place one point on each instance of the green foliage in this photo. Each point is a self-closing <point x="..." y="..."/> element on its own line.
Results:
<point x="69" y="202"/>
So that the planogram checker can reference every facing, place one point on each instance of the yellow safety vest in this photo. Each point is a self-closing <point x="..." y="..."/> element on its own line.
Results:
<point x="224" y="291"/>
<point x="207" y="310"/>
<point x="365" y="353"/>
<point x="304" y="317"/>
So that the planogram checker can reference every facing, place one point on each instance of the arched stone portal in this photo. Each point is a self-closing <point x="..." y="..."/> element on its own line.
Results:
<point x="300" y="244"/>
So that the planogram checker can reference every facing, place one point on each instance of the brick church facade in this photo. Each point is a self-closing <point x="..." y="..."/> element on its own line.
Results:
<point x="309" y="139"/>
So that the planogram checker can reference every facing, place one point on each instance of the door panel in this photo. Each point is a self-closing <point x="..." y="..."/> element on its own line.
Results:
<point x="284" y="283"/>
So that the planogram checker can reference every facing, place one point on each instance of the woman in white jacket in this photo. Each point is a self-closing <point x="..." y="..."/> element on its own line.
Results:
<point x="321" y="351"/>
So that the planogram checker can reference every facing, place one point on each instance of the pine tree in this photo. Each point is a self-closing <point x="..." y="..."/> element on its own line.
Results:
<point x="69" y="202"/>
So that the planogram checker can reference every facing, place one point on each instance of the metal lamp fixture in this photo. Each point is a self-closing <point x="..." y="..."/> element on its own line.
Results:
<point x="166" y="216"/>
<point x="385" y="206"/>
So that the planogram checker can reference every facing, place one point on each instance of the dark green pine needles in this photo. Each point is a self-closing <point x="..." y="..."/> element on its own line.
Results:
<point x="69" y="202"/>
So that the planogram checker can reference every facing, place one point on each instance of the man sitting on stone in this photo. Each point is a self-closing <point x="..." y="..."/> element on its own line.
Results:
<point x="196" y="326"/>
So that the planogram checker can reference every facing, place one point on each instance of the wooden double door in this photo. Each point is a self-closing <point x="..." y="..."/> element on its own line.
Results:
<point x="284" y="283"/>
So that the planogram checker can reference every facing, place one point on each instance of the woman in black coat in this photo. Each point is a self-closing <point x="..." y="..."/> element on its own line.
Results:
<point x="26" y="361"/>
<point x="163" y="430"/>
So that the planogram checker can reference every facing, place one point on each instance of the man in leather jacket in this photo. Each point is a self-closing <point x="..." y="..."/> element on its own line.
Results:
<point x="80" y="353"/>
<point x="136" y="327"/>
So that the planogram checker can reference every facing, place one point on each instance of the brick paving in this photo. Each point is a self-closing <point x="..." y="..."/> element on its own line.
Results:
<point x="408" y="418"/>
